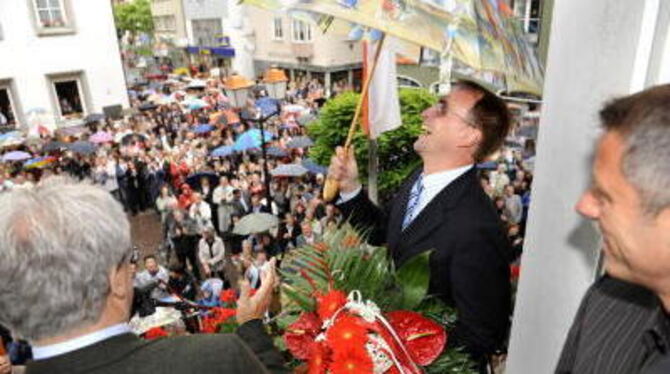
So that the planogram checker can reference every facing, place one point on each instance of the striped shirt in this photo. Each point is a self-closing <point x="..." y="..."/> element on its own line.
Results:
<point x="620" y="328"/>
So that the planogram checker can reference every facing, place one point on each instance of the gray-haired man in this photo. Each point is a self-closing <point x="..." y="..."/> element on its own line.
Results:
<point x="622" y="325"/>
<point x="66" y="286"/>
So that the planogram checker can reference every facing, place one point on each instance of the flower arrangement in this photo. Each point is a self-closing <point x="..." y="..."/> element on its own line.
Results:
<point x="347" y="335"/>
<point x="327" y="326"/>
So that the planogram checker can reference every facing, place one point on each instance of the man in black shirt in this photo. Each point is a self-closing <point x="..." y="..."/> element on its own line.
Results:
<point x="622" y="326"/>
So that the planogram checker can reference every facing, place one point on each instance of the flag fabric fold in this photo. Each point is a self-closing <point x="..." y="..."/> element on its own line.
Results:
<point x="382" y="107"/>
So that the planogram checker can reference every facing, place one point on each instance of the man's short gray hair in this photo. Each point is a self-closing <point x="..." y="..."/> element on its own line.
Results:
<point x="643" y="119"/>
<point x="58" y="242"/>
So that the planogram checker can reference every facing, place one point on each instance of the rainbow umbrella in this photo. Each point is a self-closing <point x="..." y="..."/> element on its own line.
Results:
<point x="39" y="162"/>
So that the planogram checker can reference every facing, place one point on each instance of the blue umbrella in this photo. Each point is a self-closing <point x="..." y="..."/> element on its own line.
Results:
<point x="487" y="165"/>
<point x="300" y="142"/>
<point x="313" y="167"/>
<point x="82" y="147"/>
<point x="276" y="152"/>
<point x="203" y="128"/>
<point x="223" y="151"/>
<point x="16" y="156"/>
<point x="267" y="106"/>
<point x="250" y="139"/>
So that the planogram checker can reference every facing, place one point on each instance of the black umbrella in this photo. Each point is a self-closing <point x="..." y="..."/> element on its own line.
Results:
<point x="54" y="146"/>
<point x="129" y="138"/>
<point x="147" y="106"/>
<point x="194" y="179"/>
<point x="94" y="117"/>
<point x="82" y="147"/>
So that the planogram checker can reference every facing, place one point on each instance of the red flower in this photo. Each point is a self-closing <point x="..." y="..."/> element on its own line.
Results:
<point x="515" y="271"/>
<point x="318" y="358"/>
<point x="228" y="296"/>
<point x="424" y="338"/>
<point x="348" y="333"/>
<point x="216" y="317"/>
<point x="353" y="361"/>
<point x="330" y="303"/>
<point x="300" y="335"/>
<point x="155" y="333"/>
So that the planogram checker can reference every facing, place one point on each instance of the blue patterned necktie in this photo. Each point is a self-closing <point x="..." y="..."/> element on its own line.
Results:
<point x="413" y="202"/>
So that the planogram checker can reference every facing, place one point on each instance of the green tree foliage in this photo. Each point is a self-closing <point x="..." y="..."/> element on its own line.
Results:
<point x="397" y="158"/>
<point x="134" y="16"/>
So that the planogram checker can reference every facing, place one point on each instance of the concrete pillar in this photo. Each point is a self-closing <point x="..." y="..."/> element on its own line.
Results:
<point x="291" y="73"/>
<point x="350" y="77"/>
<point x="621" y="47"/>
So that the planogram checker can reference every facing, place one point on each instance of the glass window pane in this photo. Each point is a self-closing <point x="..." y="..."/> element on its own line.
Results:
<point x="41" y="4"/>
<point x="54" y="4"/>
<point x="57" y="17"/>
<point x="45" y="17"/>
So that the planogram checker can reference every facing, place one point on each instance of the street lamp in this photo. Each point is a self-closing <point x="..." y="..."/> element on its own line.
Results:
<point x="237" y="89"/>
<point x="275" y="80"/>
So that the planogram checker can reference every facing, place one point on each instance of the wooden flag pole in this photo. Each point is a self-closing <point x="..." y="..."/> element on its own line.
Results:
<point x="331" y="188"/>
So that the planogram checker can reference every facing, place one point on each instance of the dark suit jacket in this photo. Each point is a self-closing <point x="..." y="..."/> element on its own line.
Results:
<point x="469" y="267"/>
<point x="245" y="353"/>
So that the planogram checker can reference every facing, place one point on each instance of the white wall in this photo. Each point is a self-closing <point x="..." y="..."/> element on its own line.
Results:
<point x="27" y="58"/>
<point x="598" y="49"/>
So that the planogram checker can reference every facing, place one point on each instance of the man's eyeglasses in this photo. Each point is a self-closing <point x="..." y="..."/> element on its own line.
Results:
<point x="443" y="110"/>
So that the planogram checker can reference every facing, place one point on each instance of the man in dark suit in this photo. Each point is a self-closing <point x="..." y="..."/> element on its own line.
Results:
<point x="442" y="207"/>
<point x="67" y="288"/>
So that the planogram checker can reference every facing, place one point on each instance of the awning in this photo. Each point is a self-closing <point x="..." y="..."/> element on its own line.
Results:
<point x="219" y="51"/>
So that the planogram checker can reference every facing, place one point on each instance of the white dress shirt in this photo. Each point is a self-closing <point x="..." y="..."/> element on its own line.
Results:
<point x="432" y="185"/>
<point x="48" y="351"/>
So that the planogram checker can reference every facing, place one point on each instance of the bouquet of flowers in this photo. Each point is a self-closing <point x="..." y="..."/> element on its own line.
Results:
<point x="346" y="309"/>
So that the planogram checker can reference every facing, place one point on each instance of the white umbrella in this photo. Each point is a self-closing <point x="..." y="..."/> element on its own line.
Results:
<point x="289" y="170"/>
<point x="254" y="223"/>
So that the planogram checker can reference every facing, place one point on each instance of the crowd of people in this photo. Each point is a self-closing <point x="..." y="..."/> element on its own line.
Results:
<point x="161" y="158"/>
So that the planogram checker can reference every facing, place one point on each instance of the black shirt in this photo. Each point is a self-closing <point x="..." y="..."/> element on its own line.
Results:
<point x="620" y="328"/>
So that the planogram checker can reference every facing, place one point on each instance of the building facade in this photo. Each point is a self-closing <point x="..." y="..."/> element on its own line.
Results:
<point x="205" y="22"/>
<point x="60" y="59"/>
<point x="169" y="21"/>
<point x="299" y="46"/>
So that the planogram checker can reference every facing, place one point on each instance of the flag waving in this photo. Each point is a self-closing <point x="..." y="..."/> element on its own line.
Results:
<point x="382" y="108"/>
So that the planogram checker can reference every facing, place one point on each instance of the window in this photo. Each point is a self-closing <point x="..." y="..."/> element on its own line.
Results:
<point x="302" y="31"/>
<point x="69" y="96"/>
<point x="7" y="107"/>
<point x="165" y="23"/>
<point x="205" y="31"/>
<point x="279" y="29"/>
<point x="50" y="13"/>
<point x="528" y="13"/>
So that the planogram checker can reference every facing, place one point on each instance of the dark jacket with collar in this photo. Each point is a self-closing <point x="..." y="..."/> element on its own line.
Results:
<point x="469" y="266"/>
<point x="248" y="351"/>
